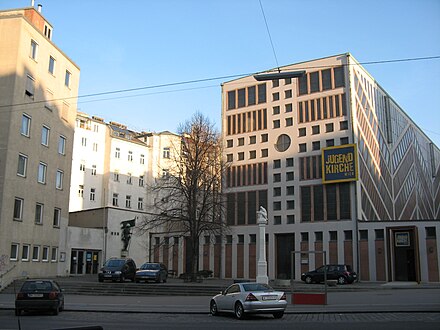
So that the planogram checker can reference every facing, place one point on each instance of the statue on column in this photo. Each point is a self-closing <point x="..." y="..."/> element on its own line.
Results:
<point x="126" y="232"/>
<point x="262" y="215"/>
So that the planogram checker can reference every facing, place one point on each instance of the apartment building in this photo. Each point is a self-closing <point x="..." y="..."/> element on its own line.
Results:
<point x="340" y="168"/>
<point x="38" y="90"/>
<point x="111" y="168"/>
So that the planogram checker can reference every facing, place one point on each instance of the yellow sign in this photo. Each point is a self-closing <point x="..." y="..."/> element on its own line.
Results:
<point x="339" y="164"/>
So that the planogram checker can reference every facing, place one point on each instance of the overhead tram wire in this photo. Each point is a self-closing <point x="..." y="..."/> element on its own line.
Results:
<point x="120" y="91"/>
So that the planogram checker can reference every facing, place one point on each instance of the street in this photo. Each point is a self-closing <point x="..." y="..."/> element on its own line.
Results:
<point x="132" y="321"/>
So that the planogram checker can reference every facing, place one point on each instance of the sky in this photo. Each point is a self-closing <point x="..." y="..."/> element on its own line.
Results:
<point x="128" y="44"/>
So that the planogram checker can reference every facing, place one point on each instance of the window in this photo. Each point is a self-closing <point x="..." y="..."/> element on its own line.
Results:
<point x="62" y="145"/>
<point x="344" y="140"/>
<point x="261" y="93"/>
<point x="289" y="121"/>
<point x="277" y="220"/>
<point x="290" y="176"/>
<point x="333" y="235"/>
<point x="288" y="107"/>
<point x="277" y="177"/>
<point x="13" y="256"/>
<point x="39" y="213"/>
<point x="329" y="127"/>
<point x="229" y="157"/>
<point x="330" y="142"/>
<point x="302" y="147"/>
<point x="241" y="141"/>
<point x="252" y="154"/>
<point x="430" y="232"/>
<point x="166" y="153"/>
<point x="42" y="170"/>
<point x="363" y="235"/>
<point x="56" y="217"/>
<point x="142" y="159"/>
<point x="241" y="156"/>
<point x="130" y="156"/>
<point x="314" y="82"/>
<point x="241" y="94"/>
<point x="67" y="78"/>
<point x="318" y="236"/>
<point x="316" y="145"/>
<point x="95" y="146"/>
<point x="326" y="76"/>
<point x="115" y="199"/>
<point x="277" y="191"/>
<point x="141" y="181"/>
<point x="290" y="218"/>
<point x="25" y="252"/>
<point x="315" y="129"/>
<point x="290" y="190"/>
<point x="36" y="253"/>
<point x="277" y="206"/>
<point x="339" y="76"/>
<point x="93" y="170"/>
<point x="304" y="237"/>
<point x="140" y="203"/>
<point x="276" y="123"/>
<point x="379" y="234"/>
<point x="34" y="50"/>
<point x="30" y="86"/>
<point x="343" y="125"/>
<point x="92" y="194"/>
<point x="118" y="153"/>
<point x="82" y="166"/>
<point x="275" y="83"/>
<point x="51" y="65"/>
<point x="252" y="238"/>
<point x="302" y="131"/>
<point x="264" y="152"/>
<point x="229" y="143"/>
<point x="54" y="254"/>
<point x="45" y="136"/>
<point x="231" y="100"/>
<point x="290" y="205"/>
<point x="129" y="178"/>
<point x="348" y="235"/>
<point x="47" y="31"/>
<point x="288" y="94"/>
<point x="59" y="180"/>
<point x="22" y="165"/>
<point x="81" y="190"/>
<point x="45" y="255"/>
<point x="84" y="142"/>
<point x="302" y="85"/>
<point x="276" y="110"/>
<point x="275" y="96"/>
<point x="252" y="139"/>
<point x="116" y="176"/>
<point x="264" y="137"/>
<point x="289" y="162"/>
<point x="277" y="163"/>
<point x="25" y="125"/>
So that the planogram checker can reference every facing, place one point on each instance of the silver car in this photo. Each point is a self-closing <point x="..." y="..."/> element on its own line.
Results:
<point x="247" y="298"/>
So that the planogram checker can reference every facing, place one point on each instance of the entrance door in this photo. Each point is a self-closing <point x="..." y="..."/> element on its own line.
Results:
<point x="285" y="243"/>
<point x="89" y="262"/>
<point x="80" y="264"/>
<point x="95" y="262"/>
<point x="73" y="262"/>
<point x="404" y="255"/>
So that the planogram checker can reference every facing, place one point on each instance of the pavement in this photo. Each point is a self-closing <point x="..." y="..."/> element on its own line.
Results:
<point x="366" y="297"/>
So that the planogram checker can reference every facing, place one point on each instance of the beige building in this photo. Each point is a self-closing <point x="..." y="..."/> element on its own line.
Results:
<point x="38" y="90"/>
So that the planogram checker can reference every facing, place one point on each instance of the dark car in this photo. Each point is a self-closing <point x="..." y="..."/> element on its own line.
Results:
<point x="342" y="273"/>
<point x="152" y="271"/>
<point x="118" y="269"/>
<point x="39" y="295"/>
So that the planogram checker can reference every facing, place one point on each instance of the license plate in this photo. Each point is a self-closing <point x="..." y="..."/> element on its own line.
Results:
<point x="35" y="295"/>
<point x="269" y="297"/>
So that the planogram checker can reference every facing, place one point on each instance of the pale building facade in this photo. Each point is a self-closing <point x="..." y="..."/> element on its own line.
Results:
<point x="38" y="90"/>
<point x="384" y="221"/>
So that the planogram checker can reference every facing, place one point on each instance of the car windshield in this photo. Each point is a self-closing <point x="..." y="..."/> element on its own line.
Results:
<point x="37" y="286"/>
<point x="150" y="266"/>
<point x="256" y="287"/>
<point x="114" y="263"/>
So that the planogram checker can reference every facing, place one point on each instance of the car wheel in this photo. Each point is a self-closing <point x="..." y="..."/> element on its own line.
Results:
<point x="341" y="280"/>
<point x="278" y="315"/>
<point x="308" y="280"/>
<point x="17" y="312"/>
<point x="213" y="308"/>
<point x="239" y="311"/>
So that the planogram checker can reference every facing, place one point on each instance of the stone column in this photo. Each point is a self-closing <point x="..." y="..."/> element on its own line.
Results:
<point x="262" y="264"/>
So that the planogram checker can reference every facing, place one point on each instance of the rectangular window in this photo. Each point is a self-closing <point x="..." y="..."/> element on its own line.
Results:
<point x="277" y="177"/>
<point x="290" y="190"/>
<point x="289" y="162"/>
<point x="302" y="83"/>
<point x="59" y="179"/>
<point x="304" y="237"/>
<point x="129" y="178"/>
<point x="339" y="76"/>
<point x="166" y="153"/>
<point x="67" y="78"/>
<point x="241" y="97"/>
<point x="277" y="206"/>
<point x="252" y="154"/>
<point x="140" y="203"/>
<point x="130" y="156"/>
<point x="288" y="107"/>
<point x="363" y="235"/>
<point x="303" y="147"/>
<point x="45" y="136"/>
<point x="95" y="146"/>
<point x="25" y="125"/>
<point x="115" y="199"/>
<point x="56" y="217"/>
<point x="22" y="165"/>
<point x="264" y="152"/>
<point x="343" y="125"/>
<point x="252" y="139"/>
<point x="306" y="204"/>
<point x="430" y="232"/>
<point x="92" y="194"/>
<point x="264" y="137"/>
<point x="62" y="145"/>
<point x="318" y="236"/>
<point x="333" y="235"/>
<point x="93" y="170"/>
<point x="288" y="94"/>
<point x="316" y="145"/>
<point x="25" y="252"/>
<point x="30" y="86"/>
<point x="51" y="65"/>
<point x="54" y="254"/>
<point x="344" y="140"/>
<point x="34" y="50"/>
<point x="13" y="256"/>
<point x="261" y="93"/>
<point x="289" y="122"/>
<point x="275" y="83"/>
<point x="277" y="191"/>
<point x="231" y="100"/>
<point x="36" y="253"/>
<point x="348" y="235"/>
<point x="84" y="142"/>
<point x="329" y="127"/>
<point x="45" y="255"/>
<point x="141" y="181"/>
<point x="251" y="95"/>
<point x="275" y="96"/>
<point x="18" y="208"/>
<point x="315" y="129"/>
<point x="118" y="153"/>
<point x="290" y="176"/>
<point x="276" y="110"/>
<point x="276" y="123"/>
<point x="116" y="176"/>
<point x="142" y="159"/>
<point x="42" y="170"/>
<point x="314" y="82"/>
<point x="302" y="131"/>
<point x="290" y="205"/>
<point x="290" y="218"/>
<point x="326" y="79"/>
<point x="39" y="213"/>
<point x="277" y="220"/>
<point x="379" y="234"/>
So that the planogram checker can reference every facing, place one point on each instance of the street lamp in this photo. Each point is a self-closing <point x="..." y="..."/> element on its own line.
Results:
<point x="279" y="75"/>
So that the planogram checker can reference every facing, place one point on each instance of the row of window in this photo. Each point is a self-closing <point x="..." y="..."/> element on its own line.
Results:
<point x="25" y="130"/>
<point x="252" y="140"/>
<point x="38" y="253"/>
<point x="241" y="206"/>
<point x="245" y="122"/>
<point x="246" y="175"/>
<point x="250" y="95"/>
<point x="128" y="201"/>
<point x="51" y="64"/>
<point x="321" y="108"/>
<point x="321" y="80"/>
<point x="141" y="181"/>
<point x="41" y="171"/>
<point x="39" y="212"/>
<point x="252" y="155"/>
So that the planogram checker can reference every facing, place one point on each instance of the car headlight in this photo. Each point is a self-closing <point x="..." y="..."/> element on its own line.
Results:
<point x="118" y="272"/>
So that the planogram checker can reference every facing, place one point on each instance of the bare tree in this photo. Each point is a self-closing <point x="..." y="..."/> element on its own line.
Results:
<point x="188" y="197"/>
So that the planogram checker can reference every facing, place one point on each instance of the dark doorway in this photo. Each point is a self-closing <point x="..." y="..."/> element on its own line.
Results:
<point x="80" y="263"/>
<point x="285" y="243"/>
<point x="73" y="262"/>
<point x="404" y="255"/>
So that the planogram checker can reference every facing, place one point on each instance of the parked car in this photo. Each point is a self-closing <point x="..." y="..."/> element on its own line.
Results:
<point x="39" y="295"/>
<point x="152" y="271"/>
<point x="342" y="273"/>
<point x="249" y="298"/>
<point x="118" y="269"/>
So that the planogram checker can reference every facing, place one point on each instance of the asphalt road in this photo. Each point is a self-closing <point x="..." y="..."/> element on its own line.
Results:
<point x="134" y="321"/>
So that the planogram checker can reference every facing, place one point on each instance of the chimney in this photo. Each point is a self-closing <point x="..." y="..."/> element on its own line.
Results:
<point x="39" y="7"/>
<point x="32" y="3"/>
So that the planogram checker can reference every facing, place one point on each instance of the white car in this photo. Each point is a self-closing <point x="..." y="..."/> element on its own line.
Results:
<point x="249" y="298"/>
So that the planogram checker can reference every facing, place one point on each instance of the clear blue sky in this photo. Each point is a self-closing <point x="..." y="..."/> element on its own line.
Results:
<point x="130" y="44"/>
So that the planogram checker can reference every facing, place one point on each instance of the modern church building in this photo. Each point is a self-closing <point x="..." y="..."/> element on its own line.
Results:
<point x="340" y="168"/>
